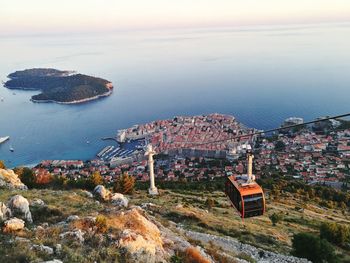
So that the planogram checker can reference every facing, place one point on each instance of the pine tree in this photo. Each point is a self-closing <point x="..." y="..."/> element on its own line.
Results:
<point x="96" y="179"/>
<point x="124" y="184"/>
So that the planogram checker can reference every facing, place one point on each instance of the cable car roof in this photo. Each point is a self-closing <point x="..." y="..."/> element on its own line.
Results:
<point x="249" y="189"/>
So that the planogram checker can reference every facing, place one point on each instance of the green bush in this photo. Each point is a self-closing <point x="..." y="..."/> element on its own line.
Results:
<point x="275" y="218"/>
<point x="314" y="248"/>
<point x="335" y="233"/>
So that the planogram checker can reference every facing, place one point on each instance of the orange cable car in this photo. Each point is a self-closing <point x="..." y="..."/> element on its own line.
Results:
<point x="245" y="194"/>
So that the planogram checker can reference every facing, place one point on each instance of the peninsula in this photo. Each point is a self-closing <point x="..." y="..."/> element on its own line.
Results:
<point x="64" y="87"/>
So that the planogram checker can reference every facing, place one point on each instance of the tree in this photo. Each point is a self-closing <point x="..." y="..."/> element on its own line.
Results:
<point x="280" y="146"/>
<point x="314" y="248"/>
<point x="124" y="184"/>
<point x="2" y="164"/>
<point x="27" y="176"/>
<point x="96" y="179"/>
<point x="275" y="218"/>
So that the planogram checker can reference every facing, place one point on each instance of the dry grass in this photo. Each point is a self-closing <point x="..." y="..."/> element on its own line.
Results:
<point x="223" y="220"/>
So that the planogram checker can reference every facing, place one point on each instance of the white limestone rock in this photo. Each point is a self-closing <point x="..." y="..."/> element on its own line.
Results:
<point x="20" y="207"/>
<point x="10" y="180"/>
<point x="77" y="235"/>
<point x="45" y="249"/>
<point x="120" y="200"/>
<point x="5" y="212"/>
<point x="72" y="218"/>
<point x="141" y="239"/>
<point x="102" y="193"/>
<point x="88" y="194"/>
<point x="58" y="248"/>
<point x="37" y="202"/>
<point x="13" y="224"/>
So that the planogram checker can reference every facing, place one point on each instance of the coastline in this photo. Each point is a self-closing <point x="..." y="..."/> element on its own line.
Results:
<point x="107" y="84"/>
<point x="108" y="93"/>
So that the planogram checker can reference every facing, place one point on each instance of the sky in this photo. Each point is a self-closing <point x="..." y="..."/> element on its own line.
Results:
<point x="40" y="16"/>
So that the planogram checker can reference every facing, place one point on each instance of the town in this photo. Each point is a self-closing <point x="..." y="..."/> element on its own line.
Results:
<point x="200" y="147"/>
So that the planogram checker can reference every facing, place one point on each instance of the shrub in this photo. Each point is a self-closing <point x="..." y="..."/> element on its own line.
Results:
<point x="2" y="165"/>
<point x="176" y="259"/>
<point x="101" y="224"/>
<point x="124" y="184"/>
<point x="46" y="214"/>
<point x="313" y="248"/>
<point x="275" y="218"/>
<point x="27" y="176"/>
<point x="192" y="255"/>
<point x="335" y="233"/>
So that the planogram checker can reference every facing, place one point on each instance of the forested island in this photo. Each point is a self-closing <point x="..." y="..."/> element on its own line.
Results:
<point x="65" y="87"/>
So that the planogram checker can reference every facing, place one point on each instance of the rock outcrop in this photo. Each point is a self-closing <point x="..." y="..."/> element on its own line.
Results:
<point x="13" y="224"/>
<point x="45" y="249"/>
<point x="20" y="207"/>
<point x="77" y="235"/>
<point x="5" y="212"/>
<point x="37" y="202"/>
<point x="230" y="244"/>
<point x="120" y="200"/>
<point x="10" y="180"/>
<point x="117" y="199"/>
<point x="87" y="194"/>
<point x="141" y="239"/>
<point x="102" y="193"/>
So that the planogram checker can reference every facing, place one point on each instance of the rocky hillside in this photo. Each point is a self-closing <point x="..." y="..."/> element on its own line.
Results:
<point x="79" y="226"/>
<point x="10" y="180"/>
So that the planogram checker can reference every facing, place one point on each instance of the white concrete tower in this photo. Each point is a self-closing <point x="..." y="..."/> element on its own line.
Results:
<point x="150" y="152"/>
<point x="251" y="176"/>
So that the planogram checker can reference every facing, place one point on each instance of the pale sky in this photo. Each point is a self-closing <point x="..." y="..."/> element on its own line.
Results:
<point x="34" y="16"/>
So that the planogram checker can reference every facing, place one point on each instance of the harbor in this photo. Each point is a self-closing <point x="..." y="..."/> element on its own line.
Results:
<point x="121" y="150"/>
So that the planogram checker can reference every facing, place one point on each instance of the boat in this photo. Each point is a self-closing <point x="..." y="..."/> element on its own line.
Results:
<point x="4" y="139"/>
<point x="2" y="99"/>
<point x="87" y="142"/>
<point x="11" y="149"/>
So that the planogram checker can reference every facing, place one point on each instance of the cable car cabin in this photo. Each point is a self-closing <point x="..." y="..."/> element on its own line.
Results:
<point x="248" y="199"/>
<point x="245" y="194"/>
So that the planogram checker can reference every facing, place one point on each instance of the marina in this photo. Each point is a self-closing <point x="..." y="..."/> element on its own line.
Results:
<point x="121" y="150"/>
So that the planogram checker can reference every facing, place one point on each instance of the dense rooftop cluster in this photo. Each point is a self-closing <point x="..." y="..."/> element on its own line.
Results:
<point x="308" y="155"/>
<point x="321" y="156"/>
<point x="190" y="132"/>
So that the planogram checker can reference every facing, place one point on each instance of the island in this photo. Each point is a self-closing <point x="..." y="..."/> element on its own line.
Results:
<point x="59" y="86"/>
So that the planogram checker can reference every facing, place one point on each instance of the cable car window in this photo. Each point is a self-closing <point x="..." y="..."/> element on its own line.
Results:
<point x="253" y="205"/>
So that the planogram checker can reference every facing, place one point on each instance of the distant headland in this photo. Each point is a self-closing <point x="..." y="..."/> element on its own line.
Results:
<point x="64" y="87"/>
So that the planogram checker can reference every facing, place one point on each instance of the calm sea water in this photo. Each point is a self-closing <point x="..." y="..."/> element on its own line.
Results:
<point x="261" y="75"/>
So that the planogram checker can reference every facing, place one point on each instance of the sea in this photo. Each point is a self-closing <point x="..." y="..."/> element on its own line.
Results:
<point x="261" y="75"/>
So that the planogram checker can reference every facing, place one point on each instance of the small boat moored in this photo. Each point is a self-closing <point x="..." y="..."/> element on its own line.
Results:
<point x="4" y="139"/>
